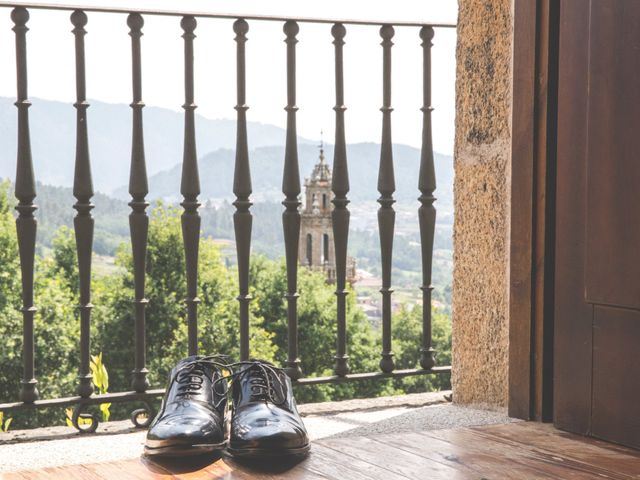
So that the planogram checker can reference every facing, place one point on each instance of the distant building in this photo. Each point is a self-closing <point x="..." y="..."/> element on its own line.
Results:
<point x="316" y="249"/>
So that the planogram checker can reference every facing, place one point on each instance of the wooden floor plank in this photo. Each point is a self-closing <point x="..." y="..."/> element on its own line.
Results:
<point x="603" y="449"/>
<point x="334" y="465"/>
<point x="546" y="463"/>
<point x="25" y="475"/>
<point x="191" y="468"/>
<point x="217" y="470"/>
<point x="80" y="473"/>
<point x="477" y="461"/>
<point x="385" y="455"/>
<point x="604" y="459"/>
<point x="135" y="469"/>
<point x="275" y="470"/>
<point x="68" y="472"/>
<point x="522" y="451"/>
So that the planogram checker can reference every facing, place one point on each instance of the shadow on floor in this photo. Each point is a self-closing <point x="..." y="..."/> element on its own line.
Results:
<point x="183" y="465"/>
<point x="275" y="465"/>
<point x="178" y="465"/>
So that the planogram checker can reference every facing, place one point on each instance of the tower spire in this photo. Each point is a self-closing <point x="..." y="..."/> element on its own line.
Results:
<point x="321" y="171"/>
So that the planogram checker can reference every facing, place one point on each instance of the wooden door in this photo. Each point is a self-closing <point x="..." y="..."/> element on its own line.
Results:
<point x="597" y="294"/>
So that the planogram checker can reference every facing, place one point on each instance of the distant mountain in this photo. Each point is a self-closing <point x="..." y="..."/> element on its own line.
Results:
<point x="216" y="173"/>
<point x="52" y="126"/>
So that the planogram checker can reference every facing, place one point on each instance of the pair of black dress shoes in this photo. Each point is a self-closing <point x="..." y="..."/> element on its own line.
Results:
<point x="194" y="417"/>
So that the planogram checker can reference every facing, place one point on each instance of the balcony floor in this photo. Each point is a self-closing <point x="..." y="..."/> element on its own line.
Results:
<point x="396" y="441"/>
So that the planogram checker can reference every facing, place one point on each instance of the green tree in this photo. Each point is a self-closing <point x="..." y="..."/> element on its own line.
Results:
<point x="407" y="334"/>
<point x="9" y="276"/>
<point x="166" y="325"/>
<point x="55" y="326"/>
<point x="64" y="256"/>
<point x="317" y="329"/>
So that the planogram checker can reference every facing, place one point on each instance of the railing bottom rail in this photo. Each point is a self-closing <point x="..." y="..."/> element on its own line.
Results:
<point x="371" y="376"/>
<point x="147" y="412"/>
<point x="93" y="400"/>
<point x="159" y="392"/>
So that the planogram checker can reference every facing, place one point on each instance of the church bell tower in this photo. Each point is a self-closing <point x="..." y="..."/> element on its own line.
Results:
<point x="317" y="250"/>
<point x="316" y="233"/>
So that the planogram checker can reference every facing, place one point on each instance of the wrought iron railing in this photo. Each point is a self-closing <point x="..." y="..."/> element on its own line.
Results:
<point x="25" y="192"/>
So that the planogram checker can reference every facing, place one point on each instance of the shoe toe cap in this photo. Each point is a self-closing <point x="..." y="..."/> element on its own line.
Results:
<point x="187" y="429"/>
<point x="269" y="432"/>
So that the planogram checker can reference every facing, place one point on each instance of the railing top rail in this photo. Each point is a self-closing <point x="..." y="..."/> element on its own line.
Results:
<point x="230" y="16"/>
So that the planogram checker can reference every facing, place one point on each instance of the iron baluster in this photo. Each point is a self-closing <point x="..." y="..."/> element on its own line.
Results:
<point x="291" y="215"/>
<point x="242" y="218"/>
<point x="190" y="188"/>
<point x="138" y="219"/>
<point x="426" y="212"/>
<point x="25" y="192"/>
<point x="340" y="215"/>
<point x="386" y="213"/>
<point x="83" y="191"/>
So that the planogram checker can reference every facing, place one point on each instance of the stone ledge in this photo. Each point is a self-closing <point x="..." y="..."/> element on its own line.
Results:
<point x="379" y="403"/>
<point x="62" y="432"/>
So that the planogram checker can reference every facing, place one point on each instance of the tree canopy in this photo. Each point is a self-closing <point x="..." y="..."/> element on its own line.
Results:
<point x="57" y="321"/>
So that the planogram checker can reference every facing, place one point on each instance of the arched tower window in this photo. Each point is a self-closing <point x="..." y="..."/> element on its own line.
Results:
<point x="324" y="201"/>
<point x="309" y="249"/>
<point x="325" y="248"/>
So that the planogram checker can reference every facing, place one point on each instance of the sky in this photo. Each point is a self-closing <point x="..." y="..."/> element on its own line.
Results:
<point x="51" y="63"/>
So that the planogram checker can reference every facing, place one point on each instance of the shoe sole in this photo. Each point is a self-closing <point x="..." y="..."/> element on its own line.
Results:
<point x="181" y="450"/>
<point x="268" y="452"/>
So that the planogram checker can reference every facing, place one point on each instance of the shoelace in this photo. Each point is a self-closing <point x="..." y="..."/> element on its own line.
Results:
<point x="189" y="376"/>
<point x="260" y="375"/>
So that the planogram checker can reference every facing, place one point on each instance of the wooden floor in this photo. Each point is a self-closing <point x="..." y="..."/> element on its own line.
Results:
<point x="519" y="451"/>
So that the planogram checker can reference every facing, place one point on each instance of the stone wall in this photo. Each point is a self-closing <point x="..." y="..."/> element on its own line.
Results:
<point x="482" y="185"/>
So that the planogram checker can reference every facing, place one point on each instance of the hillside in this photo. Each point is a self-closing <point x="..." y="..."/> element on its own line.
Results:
<point x="52" y="126"/>
<point x="216" y="174"/>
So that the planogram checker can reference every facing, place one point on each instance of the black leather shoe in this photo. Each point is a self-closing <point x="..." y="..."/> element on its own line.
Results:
<point x="265" y="421"/>
<point x="191" y="419"/>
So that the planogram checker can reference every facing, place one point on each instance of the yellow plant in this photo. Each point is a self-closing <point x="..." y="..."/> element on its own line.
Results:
<point x="101" y="382"/>
<point x="4" y="424"/>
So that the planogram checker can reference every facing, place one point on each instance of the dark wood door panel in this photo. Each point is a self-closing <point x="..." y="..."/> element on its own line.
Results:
<point x="597" y="295"/>
<point x="613" y="155"/>
<point x="616" y="375"/>
<point x="573" y="316"/>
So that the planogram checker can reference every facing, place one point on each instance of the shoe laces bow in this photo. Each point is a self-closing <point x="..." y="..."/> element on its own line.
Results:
<point x="262" y="377"/>
<point x="190" y="375"/>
